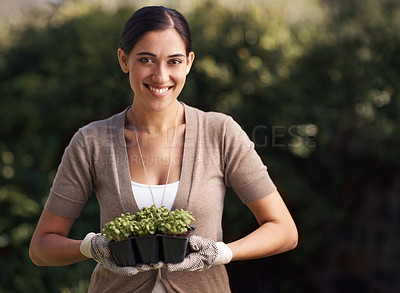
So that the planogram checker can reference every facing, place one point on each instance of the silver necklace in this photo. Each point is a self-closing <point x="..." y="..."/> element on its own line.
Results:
<point x="170" y="160"/>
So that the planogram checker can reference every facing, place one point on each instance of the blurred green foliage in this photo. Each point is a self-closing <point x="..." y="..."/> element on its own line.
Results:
<point x="314" y="84"/>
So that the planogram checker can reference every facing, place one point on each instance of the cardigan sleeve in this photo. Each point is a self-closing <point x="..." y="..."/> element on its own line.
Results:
<point x="244" y="170"/>
<point x="73" y="182"/>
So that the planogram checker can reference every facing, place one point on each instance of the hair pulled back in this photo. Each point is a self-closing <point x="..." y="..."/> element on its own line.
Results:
<point x="152" y="18"/>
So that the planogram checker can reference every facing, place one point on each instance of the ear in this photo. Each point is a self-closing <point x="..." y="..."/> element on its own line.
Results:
<point x="123" y="60"/>
<point x="189" y="62"/>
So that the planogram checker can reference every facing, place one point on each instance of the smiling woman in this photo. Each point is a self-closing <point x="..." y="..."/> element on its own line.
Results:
<point x="202" y="154"/>
<point x="157" y="67"/>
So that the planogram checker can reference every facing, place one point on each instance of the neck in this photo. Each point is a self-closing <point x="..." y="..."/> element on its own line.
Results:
<point x="146" y="120"/>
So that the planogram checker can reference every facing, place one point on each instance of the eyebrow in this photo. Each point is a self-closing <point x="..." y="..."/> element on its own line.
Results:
<point x="151" y="54"/>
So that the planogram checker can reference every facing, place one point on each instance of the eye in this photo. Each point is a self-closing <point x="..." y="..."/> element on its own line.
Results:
<point x="146" y="60"/>
<point x="175" y="61"/>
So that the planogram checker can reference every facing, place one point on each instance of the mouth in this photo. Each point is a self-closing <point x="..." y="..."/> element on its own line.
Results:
<point x="158" y="90"/>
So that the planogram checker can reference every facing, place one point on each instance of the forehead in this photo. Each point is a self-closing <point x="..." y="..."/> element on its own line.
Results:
<point x="160" y="42"/>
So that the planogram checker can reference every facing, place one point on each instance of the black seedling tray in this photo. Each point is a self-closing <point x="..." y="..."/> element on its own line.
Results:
<point x="150" y="249"/>
<point x="125" y="253"/>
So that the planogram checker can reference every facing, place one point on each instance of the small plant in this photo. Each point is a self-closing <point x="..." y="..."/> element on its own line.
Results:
<point x="120" y="228"/>
<point x="152" y="213"/>
<point x="176" y="222"/>
<point x="148" y="221"/>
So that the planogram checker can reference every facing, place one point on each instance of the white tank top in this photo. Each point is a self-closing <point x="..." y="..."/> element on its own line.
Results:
<point x="143" y="198"/>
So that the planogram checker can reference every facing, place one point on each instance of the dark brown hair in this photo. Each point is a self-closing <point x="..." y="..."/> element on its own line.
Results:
<point x="152" y="18"/>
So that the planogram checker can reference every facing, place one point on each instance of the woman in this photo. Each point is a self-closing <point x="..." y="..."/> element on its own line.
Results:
<point x="161" y="151"/>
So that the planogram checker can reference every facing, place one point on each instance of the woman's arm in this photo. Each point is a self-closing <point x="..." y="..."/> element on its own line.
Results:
<point x="50" y="245"/>
<point x="277" y="232"/>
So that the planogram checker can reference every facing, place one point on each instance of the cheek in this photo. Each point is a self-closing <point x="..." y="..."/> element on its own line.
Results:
<point x="180" y="76"/>
<point x="135" y="84"/>
<point x="136" y="77"/>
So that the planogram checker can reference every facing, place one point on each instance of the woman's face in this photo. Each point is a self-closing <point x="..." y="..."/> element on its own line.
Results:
<point x="157" y="67"/>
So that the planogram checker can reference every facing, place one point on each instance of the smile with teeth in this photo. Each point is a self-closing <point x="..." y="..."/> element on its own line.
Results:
<point x="158" y="90"/>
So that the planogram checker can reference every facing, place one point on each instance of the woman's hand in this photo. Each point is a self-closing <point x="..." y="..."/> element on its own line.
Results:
<point x="96" y="246"/>
<point x="277" y="233"/>
<point x="204" y="253"/>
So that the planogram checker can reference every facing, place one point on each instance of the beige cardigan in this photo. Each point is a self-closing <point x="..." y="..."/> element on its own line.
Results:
<point x="217" y="153"/>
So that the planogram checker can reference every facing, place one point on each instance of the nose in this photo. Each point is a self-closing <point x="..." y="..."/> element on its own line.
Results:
<point x="160" y="74"/>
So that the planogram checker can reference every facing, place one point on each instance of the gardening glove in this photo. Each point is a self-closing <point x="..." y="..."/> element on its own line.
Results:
<point x="204" y="253"/>
<point x="96" y="246"/>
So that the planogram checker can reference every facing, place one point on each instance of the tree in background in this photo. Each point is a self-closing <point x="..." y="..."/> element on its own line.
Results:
<point x="314" y="84"/>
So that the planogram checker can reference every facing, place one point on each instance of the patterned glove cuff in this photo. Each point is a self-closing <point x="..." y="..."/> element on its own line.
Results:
<point x="224" y="254"/>
<point x="85" y="245"/>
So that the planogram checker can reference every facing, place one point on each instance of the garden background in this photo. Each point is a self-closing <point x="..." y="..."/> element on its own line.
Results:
<point x="315" y="84"/>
